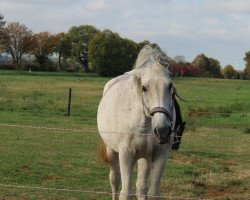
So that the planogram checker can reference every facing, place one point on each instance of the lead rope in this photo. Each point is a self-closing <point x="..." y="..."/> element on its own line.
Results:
<point x="176" y="94"/>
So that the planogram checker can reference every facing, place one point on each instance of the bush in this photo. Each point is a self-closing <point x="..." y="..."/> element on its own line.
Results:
<point x="7" y="66"/>
<point x="33" y="66"/>
<point x="48" y="65"/>
<point x="71" y="69"/>
<point x="247" y="131"/>
<point x="71" y="65"/>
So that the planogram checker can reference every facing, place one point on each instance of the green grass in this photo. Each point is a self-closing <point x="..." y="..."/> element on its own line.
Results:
<point x="213" y="161"/>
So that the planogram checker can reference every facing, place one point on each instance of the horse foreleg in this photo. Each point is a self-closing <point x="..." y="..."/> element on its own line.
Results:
<point x="156" y="171"/>
<point x="126" y="160"/>
<point x="142" y="179"/>
<point x="114" y="175"/>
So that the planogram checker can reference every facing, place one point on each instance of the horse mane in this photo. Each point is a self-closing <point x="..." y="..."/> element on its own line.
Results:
<point x="149" y="55"/>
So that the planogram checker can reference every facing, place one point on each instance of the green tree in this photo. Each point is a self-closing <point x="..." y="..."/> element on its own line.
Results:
<point x="81" y="37"/>
<point x="140" y="45"/>
<point x="209" y="67"/>
<point x="247" y="68"/>
<point x="111" y="55"/>
<point x="16" y="39"/>
<point x="202" y="63"/>
<point x="214" y="68"/>
<point x="63" y="47"/>
<point x="229" y="71"/>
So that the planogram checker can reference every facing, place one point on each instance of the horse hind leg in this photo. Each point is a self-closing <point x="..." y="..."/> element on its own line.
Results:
<point x="142" y="179"/>
<point x="114" y="175"/>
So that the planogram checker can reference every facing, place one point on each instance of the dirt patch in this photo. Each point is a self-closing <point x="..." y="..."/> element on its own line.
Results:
<point x="53" y="178"/>
<point x="179" y="158"/>
<point x="198" y="112"/>
<point x="7" y="198"/>
<point x="217" y="192"/>
<point x="26" y="169"/>
<point x="225" y="163"/>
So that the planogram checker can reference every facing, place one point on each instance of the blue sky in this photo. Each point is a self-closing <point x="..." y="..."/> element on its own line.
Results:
<point x="217" y="28"/>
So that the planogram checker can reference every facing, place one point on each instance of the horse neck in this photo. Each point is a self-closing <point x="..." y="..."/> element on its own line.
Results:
<point x="143" y="123"/>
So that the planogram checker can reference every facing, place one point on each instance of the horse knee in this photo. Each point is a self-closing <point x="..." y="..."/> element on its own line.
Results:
<point x="114" y="178"/>
<point x="141" y="186"/>
<point x="141" y="189"/>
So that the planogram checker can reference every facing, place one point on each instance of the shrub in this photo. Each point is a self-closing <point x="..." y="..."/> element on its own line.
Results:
<point x="7" y="66"/>
<point x="33" y="66"/>
<point x="247" y="131"/>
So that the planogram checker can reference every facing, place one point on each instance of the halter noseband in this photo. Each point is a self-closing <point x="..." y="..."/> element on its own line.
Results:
<point x="161" y="110"/>
<point x="157" y="110"/>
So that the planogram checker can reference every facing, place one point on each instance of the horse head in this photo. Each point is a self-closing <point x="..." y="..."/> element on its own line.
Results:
<point x="156" y="89"/>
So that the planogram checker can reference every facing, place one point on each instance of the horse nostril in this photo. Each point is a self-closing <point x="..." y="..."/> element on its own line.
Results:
<point x="164" y="130"/>
<point x="156" y="133"/>
<point x="163" y="134"/>
<point x="169" y="129"/>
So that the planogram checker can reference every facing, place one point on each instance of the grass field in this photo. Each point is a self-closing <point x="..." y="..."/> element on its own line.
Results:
<point x="212" y="163"/>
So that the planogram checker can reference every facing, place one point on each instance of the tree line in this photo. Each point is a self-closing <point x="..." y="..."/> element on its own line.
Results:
<point x="86" y="48"/>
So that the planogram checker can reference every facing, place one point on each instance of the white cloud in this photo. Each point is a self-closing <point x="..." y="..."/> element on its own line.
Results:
<point x="214" y="33"/>
<point x="238" y="6"/>
<point x="186" y="27"/>
<point x="246" y="29"/>
<point x="96" y="6"/>
<point x="211" y="21"/>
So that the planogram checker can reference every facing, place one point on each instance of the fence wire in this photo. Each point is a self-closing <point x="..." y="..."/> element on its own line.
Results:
<point x="51" y="101"/>
<point x="197" y="99"/>
<point x="94" y="192"/>
<point x="95" y="131"/>
<point x="56" y="102"/>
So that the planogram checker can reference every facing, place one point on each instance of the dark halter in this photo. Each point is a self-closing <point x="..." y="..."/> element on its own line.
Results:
<point x="157" y="110"/>
<point x="161" y="110"/>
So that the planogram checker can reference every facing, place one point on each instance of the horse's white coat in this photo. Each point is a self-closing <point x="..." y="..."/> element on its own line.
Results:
<point x="121" y="113"/>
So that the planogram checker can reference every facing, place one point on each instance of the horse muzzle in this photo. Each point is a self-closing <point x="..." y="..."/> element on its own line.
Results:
<point x="163" y="134"/>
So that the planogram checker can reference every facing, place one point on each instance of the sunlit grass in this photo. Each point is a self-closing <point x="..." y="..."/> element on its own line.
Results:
<point x="213" y="161"/>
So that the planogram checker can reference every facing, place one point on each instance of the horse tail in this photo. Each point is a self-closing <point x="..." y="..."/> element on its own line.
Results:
<point x="102" y="153"/>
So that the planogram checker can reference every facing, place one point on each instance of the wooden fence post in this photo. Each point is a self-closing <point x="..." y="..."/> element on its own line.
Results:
<point x="69" y="102"/>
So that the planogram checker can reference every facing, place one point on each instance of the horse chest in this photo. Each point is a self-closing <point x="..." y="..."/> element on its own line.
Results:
<point x="143" y="146"/>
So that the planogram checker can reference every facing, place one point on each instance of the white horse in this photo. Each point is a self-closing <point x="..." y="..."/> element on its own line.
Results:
<point x="135" y="119"/>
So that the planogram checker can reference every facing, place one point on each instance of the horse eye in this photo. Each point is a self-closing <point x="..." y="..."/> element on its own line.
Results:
<point x="144" y="89"/>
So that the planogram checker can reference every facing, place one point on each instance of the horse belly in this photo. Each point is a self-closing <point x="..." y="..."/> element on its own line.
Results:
<point x="119" y="115"/>
<point x="112" y="126"/>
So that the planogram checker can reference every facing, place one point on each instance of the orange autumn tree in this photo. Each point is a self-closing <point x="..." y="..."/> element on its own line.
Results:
<point x="46" y="44"/>
<point x="16" y="39"/>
